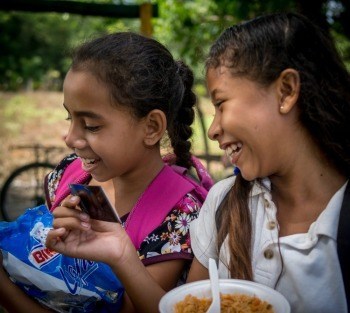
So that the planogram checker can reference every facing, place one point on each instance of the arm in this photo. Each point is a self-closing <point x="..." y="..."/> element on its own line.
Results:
<point x="197" y="272"/>
<point x="13" y="299"/>
<point x="152" y="283"/>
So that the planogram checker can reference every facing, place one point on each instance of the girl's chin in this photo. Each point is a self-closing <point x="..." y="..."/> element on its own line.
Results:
<point x="248" y="176"/>
<point x="100" y="178"/>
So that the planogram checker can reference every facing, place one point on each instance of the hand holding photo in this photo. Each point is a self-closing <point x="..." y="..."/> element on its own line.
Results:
<point x="95" y="203"/>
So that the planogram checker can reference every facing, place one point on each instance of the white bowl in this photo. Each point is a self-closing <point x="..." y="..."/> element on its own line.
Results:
<point x="201" y="289"/>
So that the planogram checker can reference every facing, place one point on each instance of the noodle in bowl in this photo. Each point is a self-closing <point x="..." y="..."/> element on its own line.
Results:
<point x="232" y="290"/>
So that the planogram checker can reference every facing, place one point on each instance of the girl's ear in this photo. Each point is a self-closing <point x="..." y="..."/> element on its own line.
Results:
<point x="288" y="89"/>
<point x="155" y="127"/>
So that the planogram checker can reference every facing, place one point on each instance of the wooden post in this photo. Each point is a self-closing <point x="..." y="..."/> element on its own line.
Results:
<point x="146" y="19"/>
<point x="144" y="12"/>
<point x="75" y="7"/>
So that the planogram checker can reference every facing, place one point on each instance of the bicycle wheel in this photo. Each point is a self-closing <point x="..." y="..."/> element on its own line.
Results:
<point x="23" y="189"/>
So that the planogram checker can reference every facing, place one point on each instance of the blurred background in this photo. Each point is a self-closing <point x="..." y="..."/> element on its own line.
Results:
<point x="37" y="35"/>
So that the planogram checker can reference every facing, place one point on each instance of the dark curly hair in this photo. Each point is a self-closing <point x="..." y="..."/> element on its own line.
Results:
<point x="260" y="49"/>
<point x="142" y="75"/>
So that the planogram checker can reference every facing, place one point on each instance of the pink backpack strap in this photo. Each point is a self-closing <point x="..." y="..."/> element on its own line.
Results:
<point x="73" y="173"/>
<point x="205" y="180"/>
<point x="203" y="175"/>
<point x="164" y="192"/>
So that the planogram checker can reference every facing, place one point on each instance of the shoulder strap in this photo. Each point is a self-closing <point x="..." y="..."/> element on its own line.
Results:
<point x="204" y="182"/>
<point x="164" y="192"/>
<point x="343" y="242"/>
<point x="204" y="177"/>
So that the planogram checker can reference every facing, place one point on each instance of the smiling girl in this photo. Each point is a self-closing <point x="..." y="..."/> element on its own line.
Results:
<point x="282" y="108"/>
<point x="123" y="94"/>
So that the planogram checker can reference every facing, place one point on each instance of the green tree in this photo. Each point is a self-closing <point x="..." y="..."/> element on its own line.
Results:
<point x="188" y="28"/>
<point x="35" y="46"/>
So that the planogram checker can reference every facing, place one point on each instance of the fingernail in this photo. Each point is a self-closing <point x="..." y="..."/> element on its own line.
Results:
<point x="73" y="198"/>
<point x="86" y="225"/>
<point x="84" y="216"/>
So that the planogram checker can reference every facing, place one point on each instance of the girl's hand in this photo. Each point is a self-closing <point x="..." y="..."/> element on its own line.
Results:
<point x="76" y="235"/>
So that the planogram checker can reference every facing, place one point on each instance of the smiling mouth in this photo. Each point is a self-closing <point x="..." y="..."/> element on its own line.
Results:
<point x="233" y="149"/>
<point x="89" y="161"/>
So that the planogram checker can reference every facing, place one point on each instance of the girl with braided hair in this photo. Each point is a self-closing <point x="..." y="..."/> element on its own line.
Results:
<point x="123" y="93"/>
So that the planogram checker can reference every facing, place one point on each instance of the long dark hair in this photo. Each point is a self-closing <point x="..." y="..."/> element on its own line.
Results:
<point x="260" y="50"/>
<point x="142" y="75"/>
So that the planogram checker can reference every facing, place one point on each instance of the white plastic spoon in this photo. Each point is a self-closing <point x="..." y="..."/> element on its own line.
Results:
<point x="215" y="290"/>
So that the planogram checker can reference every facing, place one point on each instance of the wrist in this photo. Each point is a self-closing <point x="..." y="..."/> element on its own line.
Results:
<point x="125" y="255"/>
<point x="126" y="260"/>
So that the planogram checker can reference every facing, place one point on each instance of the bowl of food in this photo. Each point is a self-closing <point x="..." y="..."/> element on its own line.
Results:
<point x="244" y="296"/>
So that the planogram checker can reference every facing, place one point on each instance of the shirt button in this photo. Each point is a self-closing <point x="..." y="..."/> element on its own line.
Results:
<point x="268" y="254"/>
<point x="267" y="204"/>
<point x="271" y="225"/>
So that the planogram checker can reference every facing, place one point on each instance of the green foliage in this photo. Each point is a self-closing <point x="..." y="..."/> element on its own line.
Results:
<point x="34" y="46"/>
<point x="27" y="51"/>
<point x="188" y="28"/>
<point x="343" y="46"/>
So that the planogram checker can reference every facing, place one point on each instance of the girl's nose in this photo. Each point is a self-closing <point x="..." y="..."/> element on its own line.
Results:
<point x="215" y="129"/>
<point x="74" y="139"/>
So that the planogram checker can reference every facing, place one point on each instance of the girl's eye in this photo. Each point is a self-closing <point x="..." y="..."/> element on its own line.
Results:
<point x="92" y="128"/>
<point x="218" y="103"/>
<point x="68" y="118"/>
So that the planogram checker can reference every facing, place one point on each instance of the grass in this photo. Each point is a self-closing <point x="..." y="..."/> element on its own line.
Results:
<point x="27" y="119"/>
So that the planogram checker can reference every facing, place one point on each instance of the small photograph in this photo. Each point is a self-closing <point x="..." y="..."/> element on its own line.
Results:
<point x="94" y="202"/>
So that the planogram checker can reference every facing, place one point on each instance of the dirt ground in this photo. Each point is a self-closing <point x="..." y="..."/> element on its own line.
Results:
<point x="28" y="119"/>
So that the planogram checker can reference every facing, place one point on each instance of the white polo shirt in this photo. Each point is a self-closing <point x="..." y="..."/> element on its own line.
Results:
<point x="311" y="279"/>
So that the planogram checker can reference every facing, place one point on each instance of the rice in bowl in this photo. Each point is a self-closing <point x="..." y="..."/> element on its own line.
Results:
<point x="230" y="303"/>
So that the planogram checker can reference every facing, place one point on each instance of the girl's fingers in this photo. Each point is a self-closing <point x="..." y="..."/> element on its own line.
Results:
<point x="61" y="212"/>
<point x="70" y="201"/>
<point x="69" y="216"/>
<point x="71" y="223"/>
<point x="54" y="239"/>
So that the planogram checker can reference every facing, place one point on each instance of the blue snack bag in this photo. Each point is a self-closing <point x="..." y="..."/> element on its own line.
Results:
<point x="59" y="282"/>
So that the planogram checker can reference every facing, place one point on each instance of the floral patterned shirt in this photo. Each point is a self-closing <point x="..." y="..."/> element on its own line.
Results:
<point x="169" y="241"/>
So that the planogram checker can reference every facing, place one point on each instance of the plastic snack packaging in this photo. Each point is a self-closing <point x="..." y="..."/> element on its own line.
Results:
<point x="59" y="282"/>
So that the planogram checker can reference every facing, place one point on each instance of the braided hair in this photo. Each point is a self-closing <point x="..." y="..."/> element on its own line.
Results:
<point x="142" y="75"/>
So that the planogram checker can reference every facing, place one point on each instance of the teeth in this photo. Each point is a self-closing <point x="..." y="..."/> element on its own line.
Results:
<point x="233" y="148"/>
<point x="89" y="161"/>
